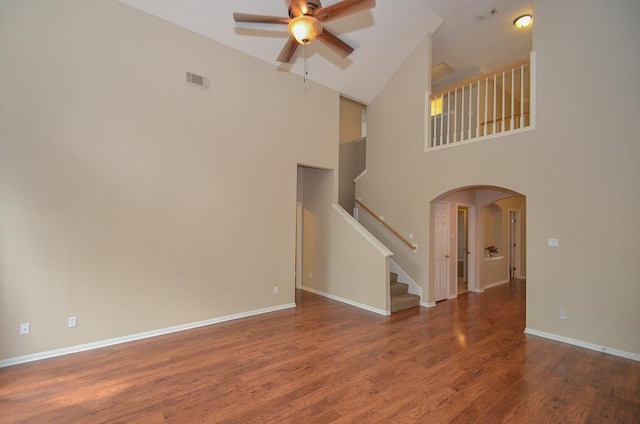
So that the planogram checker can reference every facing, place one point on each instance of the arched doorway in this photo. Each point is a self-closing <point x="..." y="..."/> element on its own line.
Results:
<point x="494" y="236"/>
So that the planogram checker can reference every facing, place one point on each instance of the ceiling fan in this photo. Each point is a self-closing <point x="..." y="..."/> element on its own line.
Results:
<point x="306" y="23"/>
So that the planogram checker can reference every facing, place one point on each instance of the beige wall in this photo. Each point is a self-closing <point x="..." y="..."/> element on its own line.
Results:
<point x="130" y="199"/>
<point x="352" y="150"/>
<point x="577" y="171"/>
<point x="350" y="119"/>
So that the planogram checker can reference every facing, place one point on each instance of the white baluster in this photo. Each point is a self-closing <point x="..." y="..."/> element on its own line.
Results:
<point x="502" y="105"/>
<point x="486" y="106"/>
<point x="521" y="96"/>
<point x="448" y="116"/>
<point x="495" y="104"/>
<point x="470" y="106"/>
<point x="441" y="120"/>
<point x="462" y="117"/>
<point x="455" y="116"/>
<point x="513" y="98"/>
<point x="478" y="111"/>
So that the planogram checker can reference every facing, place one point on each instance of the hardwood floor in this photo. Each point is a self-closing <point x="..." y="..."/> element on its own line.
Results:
<point x="466" y="360"/>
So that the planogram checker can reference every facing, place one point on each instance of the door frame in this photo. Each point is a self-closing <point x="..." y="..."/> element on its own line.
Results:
<point x="514" y="258"/>
<point x="298" y="266"/>
<point x="472" y="256"/>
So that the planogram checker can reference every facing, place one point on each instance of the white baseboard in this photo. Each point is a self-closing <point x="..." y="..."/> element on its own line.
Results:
<point x="139" y="336"/>
<point x="348" y="301"/>
<point x="586" y="345"/>
<point x="497" y="283"/>
<point x="428" y="304"/>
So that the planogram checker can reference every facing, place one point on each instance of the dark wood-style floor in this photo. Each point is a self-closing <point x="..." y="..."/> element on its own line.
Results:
<point x="465" y="361"/>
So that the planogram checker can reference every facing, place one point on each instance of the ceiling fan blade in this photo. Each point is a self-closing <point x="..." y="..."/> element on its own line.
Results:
<point x="342" y="9"/>
<point x="336" y="44"/>
<point x="288" y="50"/>
<point x="261" y="19"/>
<point x="299" y="8"/>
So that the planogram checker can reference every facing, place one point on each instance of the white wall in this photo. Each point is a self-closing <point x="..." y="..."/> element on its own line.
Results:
<point x="578" y="170"/>
<point x="130" y="199"/>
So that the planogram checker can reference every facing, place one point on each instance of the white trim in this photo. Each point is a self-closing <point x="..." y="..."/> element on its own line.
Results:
<point x="348" y="302"/>
<point x="298" y="271"/>
<point x="138" y="336"/>
<point x="427" y="120"/>
<point x="497" y="283"/>
<point x="363" y="231"/>
<point x="531" y="127"/>
<point x="428" y="304"/>
<point x="580" y="343"/>
<point x="360" y="175"/>
<point x="532" y="89"/>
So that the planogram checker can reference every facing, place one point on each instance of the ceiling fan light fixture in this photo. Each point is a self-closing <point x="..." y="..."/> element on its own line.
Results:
<point x="523" y="21"/>
<point x="305" y="29"/>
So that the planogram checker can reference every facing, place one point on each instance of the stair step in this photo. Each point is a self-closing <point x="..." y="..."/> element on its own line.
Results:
<point x="393" y="277"/>
<point x="404" y="301"/>
<point x="397" y="289"/>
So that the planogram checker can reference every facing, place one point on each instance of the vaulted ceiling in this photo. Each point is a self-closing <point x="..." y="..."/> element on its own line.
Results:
<point x="383" y="37"/>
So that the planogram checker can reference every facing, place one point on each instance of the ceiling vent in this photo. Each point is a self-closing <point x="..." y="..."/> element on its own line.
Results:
<point x="198" y="80"/>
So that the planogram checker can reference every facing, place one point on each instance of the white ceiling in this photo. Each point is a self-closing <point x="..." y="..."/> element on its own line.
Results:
<point x="383" y="37"/>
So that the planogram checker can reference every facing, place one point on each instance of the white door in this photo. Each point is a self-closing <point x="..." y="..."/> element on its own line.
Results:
<point x="441" y="250"/>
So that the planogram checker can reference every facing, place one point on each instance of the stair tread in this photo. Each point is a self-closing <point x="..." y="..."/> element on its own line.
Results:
<point x="404" y="301"/>
<point x="398" y="288"/>
<point x="401" y="299"/>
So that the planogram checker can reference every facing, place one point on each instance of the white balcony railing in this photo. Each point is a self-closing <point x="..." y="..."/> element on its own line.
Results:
<point x="494" y="104"/>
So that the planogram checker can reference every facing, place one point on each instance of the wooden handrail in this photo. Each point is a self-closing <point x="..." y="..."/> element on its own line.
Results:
<point x="506" y="118"/>
<point x="413" y="246"/>
<point x="478" y="78"/>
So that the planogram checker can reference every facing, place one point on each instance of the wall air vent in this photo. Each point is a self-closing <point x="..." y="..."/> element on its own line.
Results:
<point x="197" y="80"/>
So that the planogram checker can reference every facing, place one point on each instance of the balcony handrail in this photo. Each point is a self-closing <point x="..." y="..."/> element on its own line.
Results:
<point x="491" y="105"/>
<point x="413" y="246"/>
<point x="480" y="78"/>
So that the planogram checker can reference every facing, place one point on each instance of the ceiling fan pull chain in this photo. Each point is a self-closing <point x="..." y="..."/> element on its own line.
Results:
<point x="306" y="54"/>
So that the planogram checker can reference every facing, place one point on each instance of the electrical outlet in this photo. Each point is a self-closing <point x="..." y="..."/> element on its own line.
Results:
<point x="72" y="322"/>
<point x="24" y="328"/>
<point x="553" y="242"/>
<point x="275" y="289"/>
<point x="562" y="314"/>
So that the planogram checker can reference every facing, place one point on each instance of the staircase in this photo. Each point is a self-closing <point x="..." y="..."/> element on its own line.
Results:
<point x="400" y="297"/>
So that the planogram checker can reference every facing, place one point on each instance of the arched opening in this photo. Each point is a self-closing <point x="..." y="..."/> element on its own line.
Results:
<point x="478" y="240"/>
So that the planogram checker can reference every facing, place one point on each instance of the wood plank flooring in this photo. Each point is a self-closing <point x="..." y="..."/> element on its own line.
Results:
<point x="465" y="361"/>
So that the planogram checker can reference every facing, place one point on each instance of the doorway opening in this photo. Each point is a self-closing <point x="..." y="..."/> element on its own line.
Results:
<point x="463" y="249"/>
<point x="314" y="197"/>
<point x="483" y="229"/>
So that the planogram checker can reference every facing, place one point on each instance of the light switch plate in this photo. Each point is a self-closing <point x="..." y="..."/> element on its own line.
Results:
<point x="553" y="242"/>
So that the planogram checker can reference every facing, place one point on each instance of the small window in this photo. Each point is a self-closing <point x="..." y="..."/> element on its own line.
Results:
<point x="436" y="106"/>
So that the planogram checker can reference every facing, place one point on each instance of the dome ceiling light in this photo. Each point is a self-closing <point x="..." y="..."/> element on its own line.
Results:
<point x="523" y="21"/>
